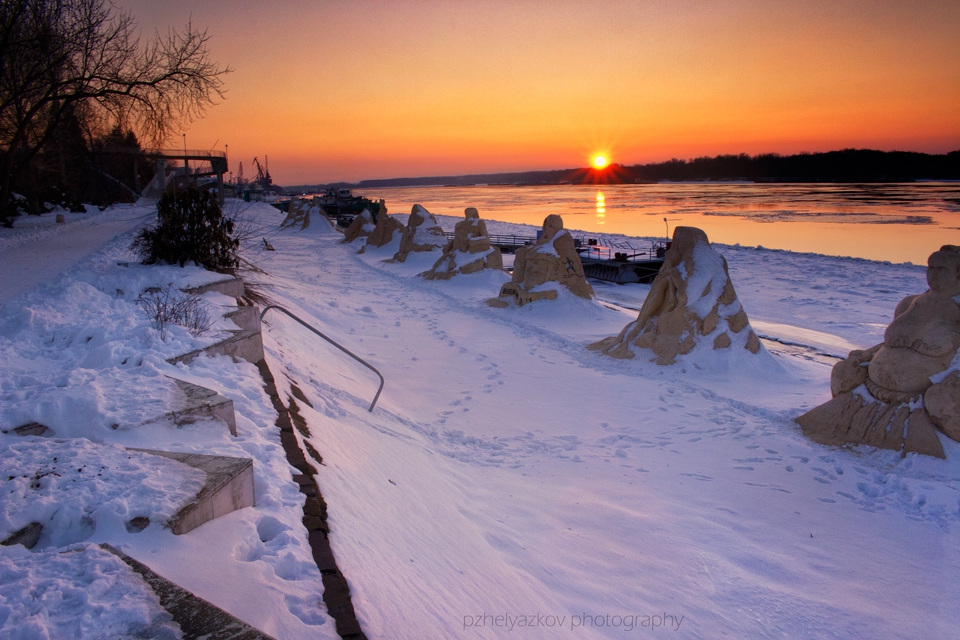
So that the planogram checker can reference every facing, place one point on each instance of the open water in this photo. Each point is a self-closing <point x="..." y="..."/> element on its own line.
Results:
<point x="892" y="222"/>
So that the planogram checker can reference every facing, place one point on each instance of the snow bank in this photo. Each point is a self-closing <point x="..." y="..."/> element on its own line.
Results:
<point x="73" y="487"/>
<point x="81" y="591"/>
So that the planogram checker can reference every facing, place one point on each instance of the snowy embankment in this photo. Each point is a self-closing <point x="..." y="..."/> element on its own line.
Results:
<point x="509" y="483"/>
<point x="81" y="357"/>
<point x="509" y="477"/>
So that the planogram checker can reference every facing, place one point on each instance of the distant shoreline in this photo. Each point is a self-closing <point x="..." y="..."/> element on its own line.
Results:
<point x="845" y="166"/>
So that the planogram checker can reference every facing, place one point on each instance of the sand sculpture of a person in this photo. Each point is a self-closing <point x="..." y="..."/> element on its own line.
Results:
<point x="469" y="251"/>
<point x="383" y="230"/>
<point x="422" y="233"/>
<point x="895" y="394"/>
<point x="552" y="259"/>
<point x="361" y="227"/>
<point x="691" y="302"/>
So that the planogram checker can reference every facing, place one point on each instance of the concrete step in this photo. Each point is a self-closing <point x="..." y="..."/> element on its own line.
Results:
<point x="197" y="617"/>
<point x="199" y="402"/>
<point x="232" y="287"/>
<point x="229" y="487"/>
<point x="247" y="318"/>
<point x="246" y="345"/>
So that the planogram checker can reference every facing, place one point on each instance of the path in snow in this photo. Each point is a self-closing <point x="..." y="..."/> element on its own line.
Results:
<point x="27" y="265"/>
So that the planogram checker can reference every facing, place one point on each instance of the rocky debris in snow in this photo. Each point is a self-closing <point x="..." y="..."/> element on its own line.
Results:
<point x="895" y="394"/>
<point x="27" y="536"/>
<point x="691" y="302"/>
<point x="469" y="251"/>
<point x="422" y="233"/>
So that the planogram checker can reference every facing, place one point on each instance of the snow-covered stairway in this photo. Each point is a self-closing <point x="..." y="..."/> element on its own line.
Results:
<point x="197" y="617"/>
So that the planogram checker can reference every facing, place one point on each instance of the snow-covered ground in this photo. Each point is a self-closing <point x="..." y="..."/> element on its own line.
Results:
<point x="510" y="483"/>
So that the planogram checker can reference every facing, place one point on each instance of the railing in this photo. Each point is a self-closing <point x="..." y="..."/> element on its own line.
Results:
<point x="617" y="251"/>
<point x="502" y="241"/>
<point x="344" y="349"/>
<point x="179" y="153"/>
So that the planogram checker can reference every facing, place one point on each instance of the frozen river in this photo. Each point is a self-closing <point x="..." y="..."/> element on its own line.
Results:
<point x="893" y="222"/>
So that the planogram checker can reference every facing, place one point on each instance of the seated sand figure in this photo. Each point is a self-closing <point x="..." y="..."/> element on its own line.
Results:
<point x="422" y="233"/>
<point x="691" y="301"/>
<point x="383" y="231"/>
<point x="470" y="250"/>
<point x="877" y="392"/>
<point x="552" y="259"/>
<point x="362" y="226"/>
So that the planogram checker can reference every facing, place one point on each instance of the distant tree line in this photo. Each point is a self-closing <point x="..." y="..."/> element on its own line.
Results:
<point x="75" y="84"/>
<point x="848" y="165"/>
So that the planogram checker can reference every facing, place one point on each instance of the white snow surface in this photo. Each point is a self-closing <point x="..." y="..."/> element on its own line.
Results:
<point x="510" y="483"/>
<point x="75" y="486"/>
<point x="81" y="591"/>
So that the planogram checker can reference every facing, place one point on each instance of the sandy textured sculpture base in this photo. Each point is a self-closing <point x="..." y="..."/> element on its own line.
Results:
<point x="469" y="251"/>
<point x="857" y="418"/>
<point x="691" y="302"/>
<point x="422" y="233"/>
<point x="383" y="231"/>
<point x="895" y="394"/>
<point x="552" y="259"/>
<point x="361" y="227"/>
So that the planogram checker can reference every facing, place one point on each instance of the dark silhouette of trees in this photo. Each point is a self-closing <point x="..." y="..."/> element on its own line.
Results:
<point x="847" y="165"/>
<point x="71" y="70"/>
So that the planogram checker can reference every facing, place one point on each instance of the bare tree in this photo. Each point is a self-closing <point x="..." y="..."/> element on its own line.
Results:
<point x="61" y="57"/>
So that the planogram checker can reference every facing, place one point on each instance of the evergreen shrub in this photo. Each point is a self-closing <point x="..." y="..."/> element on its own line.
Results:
<point x="190" y="226"/>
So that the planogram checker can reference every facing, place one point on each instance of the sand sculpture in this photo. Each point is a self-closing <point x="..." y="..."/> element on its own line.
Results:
<point x="422" y="233"/>
<point x="362" y="226"/>
<point x="691" y="302"/>
<point x="895" y="394"/>
<point x="552" y="259"/>
<point x="383" y="231"/>
<point x="298" y="215"/>
<point x="469" y="251"/>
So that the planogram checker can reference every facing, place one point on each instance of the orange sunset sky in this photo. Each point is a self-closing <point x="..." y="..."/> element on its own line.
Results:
<point x="351" y="89"/>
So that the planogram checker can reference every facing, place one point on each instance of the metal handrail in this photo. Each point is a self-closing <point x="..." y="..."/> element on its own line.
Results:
<point x="344" y="349"/>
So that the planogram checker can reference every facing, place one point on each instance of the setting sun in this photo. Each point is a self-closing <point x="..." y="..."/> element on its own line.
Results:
<point x="600" y="162"/>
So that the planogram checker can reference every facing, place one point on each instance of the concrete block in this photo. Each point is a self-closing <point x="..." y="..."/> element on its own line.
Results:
<point x="229" y="487"/>
<point x="232" y="287"/>
<point x="197" y="617"/>
<point x="247" y="345"/>
<point x="247" y="318"/>
<point x="199" y="402"/>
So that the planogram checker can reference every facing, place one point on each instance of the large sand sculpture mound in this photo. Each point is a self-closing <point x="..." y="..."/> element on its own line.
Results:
<point x="469" y="251"/>
<point x="895" y="394"/>
<point x="691" y="302"/>
<point x="305" y="216"/>
<point x="298" y="215"/>
<point x="538" y="270"/>
<point x="361" y="227"/>
<point x="422" y="233"/>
